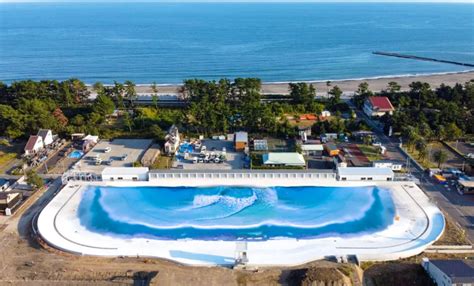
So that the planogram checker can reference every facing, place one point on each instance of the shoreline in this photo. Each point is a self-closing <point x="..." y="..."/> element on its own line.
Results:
<point x="376" y="84"/>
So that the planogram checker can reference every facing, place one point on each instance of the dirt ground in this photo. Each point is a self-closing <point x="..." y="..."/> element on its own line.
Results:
<point x="25" y="262"/>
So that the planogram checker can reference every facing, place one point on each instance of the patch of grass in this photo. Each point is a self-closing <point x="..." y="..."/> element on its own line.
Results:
<point x="371" y="152"/>
<point x="366" y="264"/>
<point x="162" y="162"/>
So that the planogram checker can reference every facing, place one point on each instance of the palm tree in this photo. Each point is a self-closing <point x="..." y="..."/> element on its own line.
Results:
<point x="328" y="85"/>
<point x="154" y="98"/>
<point x="440" y="157"/>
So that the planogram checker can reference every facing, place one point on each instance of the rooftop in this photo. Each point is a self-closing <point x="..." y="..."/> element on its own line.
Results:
<point x="284" y="158"/>
<point x="381" y="103"/>
<point x="331" y="146"/>
<point x="460" y="271"/>
<point x="241" y="136"/>
<point x="32" y="142"/>
<point x="312" y="147"/>
<point x="466" y="183"/>
<point x="43" y="132"/>
<point x="133" y="148"/>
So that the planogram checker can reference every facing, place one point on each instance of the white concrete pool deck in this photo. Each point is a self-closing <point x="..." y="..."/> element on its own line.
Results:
<point x="420" y="224"/>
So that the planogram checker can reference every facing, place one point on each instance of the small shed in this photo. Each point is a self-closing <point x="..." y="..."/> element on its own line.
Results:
<point x="331" y="149"/>
<point x="312" y="149"/>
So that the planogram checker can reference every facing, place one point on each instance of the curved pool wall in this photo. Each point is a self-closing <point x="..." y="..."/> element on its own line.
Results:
<point x="235" y="212"/>
<point x="418" y="223"/>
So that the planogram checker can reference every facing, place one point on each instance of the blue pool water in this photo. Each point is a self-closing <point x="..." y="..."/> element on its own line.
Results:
<point x="169" y="42"/>
<point x="76" y="154"/>
<point x="232" y="213"/>
<point x="186" y="147"/>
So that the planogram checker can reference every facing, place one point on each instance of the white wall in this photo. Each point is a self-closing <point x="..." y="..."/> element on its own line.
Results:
<point x="367" y="177"/>
<point x="125" y="177"/>
<point x="271" y="178"/>
<point x="394" y="167"/>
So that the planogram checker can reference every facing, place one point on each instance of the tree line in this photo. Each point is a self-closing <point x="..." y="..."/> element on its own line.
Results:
<point x="224" y="106"/>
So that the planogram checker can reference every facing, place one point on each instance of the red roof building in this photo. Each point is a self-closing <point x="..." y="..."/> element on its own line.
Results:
<point x="378" y="106"/>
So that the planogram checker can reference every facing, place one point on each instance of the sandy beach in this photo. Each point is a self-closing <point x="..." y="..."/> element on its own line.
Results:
<point x="348" y="86"/>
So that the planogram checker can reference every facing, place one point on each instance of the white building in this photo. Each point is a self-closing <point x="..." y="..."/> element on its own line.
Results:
<point x="46" y="135"/>
<point x="395" y="166"/>
<point x="241" y="140"/>
<point x="364" y="174"/>
<point x="450" y="272"/>
<point x="172" y="140"/>
<point x="34" y="144"/>
<point x="125" y="174"/>
<point x="284" y="159"/>
<point x="312" y="149"/>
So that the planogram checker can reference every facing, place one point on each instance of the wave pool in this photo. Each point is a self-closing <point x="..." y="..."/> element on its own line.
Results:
<point x="235" y="212"/>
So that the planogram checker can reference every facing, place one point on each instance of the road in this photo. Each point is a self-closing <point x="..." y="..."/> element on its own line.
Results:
<point x="459" y="208"/>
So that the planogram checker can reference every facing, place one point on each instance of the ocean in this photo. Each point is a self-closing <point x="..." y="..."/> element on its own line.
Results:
<point x="167" y="42"/>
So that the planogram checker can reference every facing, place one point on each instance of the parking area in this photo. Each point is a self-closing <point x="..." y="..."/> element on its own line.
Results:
<point x="116" y="153"/>
<point x="211" y="149"/>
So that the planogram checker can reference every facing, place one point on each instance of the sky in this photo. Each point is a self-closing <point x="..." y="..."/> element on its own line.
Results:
<point x="246" y="1"/>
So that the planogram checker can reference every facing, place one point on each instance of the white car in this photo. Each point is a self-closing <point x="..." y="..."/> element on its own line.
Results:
<point x="107" y="149"/>
<point x="470" y="155"/>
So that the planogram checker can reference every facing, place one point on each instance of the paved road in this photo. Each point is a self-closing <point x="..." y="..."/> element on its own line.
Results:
<point x="459" y="208"/>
